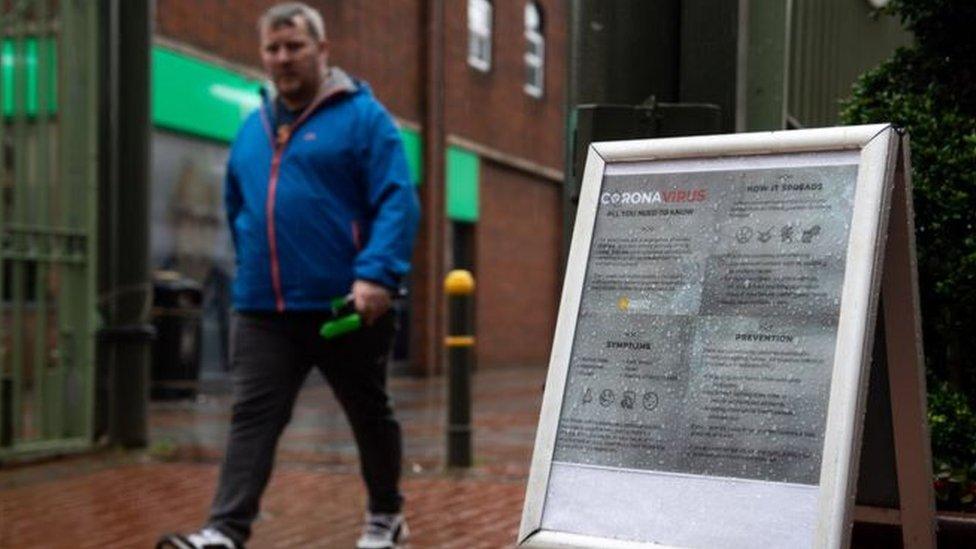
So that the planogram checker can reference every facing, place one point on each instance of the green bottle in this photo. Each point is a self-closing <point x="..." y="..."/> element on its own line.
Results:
<point x="344" y="320"/>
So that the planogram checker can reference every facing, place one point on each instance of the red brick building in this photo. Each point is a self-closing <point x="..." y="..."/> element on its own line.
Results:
<point x="478" y="87"/>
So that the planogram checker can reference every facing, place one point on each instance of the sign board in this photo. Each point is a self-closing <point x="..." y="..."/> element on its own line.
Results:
<point x="711" y="361"/>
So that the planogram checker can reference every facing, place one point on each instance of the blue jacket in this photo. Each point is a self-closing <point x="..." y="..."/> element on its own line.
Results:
<point x="313" y="209"/>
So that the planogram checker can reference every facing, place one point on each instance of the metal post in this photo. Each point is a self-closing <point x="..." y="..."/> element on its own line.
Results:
<point x="18" y="216"/>
<point x="6" y="382"/>
<point x="765" y="76"/>
<point x="125" y="283"/>
<point x="43" y="119"/>
<point x="459" y="287"/>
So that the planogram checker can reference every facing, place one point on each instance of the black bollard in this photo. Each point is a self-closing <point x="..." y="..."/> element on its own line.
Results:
<point x="459" y="287"/>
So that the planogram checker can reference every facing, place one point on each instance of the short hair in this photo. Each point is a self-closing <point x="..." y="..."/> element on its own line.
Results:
<point x="284" y="14"/>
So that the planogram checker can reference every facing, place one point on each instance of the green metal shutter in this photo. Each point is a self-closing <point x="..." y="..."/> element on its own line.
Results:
<point x="48" y="172"/>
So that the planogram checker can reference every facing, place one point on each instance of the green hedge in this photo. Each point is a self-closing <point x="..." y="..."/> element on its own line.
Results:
<point x="953" y="429"/>
<point x="930" y="90"/>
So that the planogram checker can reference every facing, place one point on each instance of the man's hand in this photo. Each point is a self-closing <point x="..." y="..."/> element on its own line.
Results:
<point x="371" y="300"/>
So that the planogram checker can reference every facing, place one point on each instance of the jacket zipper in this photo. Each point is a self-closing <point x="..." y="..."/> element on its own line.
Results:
<point x="279" y="143"/>
<point x="272" y="241"/>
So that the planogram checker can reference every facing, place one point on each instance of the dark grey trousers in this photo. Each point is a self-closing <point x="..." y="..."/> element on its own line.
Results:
<point x="271" y="355"/>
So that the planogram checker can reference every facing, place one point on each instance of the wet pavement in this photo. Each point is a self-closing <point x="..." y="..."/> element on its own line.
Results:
<point x="315" y="499"/>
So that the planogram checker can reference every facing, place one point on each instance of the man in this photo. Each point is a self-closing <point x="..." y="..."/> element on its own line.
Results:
<point x="320" y="206"/>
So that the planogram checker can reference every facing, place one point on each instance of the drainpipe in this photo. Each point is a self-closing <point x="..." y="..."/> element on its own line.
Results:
<point x="125" y="291"/>
<point x="427" y="300"/>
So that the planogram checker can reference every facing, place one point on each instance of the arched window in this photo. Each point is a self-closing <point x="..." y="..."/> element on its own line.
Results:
<point x="479" y="34"/>
<point x="535" y="51"/>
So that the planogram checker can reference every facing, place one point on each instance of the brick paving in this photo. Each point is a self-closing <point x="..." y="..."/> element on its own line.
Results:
<point x="122" y="499"/>
<point x="315" y="498"/>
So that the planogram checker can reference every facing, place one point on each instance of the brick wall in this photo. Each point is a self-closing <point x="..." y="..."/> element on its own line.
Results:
<point x="376" y="40"/>
<point x="517" y="262"/>
<point x="491" y="108"/>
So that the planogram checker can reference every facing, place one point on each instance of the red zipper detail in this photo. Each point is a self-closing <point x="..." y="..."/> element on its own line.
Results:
<point x="272" y="242"/>
<point x="357" y="239"/>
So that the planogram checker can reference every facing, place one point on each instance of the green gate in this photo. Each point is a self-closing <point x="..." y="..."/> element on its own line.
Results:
<point x="48" y="176"/>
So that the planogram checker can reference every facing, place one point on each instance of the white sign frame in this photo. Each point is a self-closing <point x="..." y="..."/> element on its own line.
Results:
<point x="879" y="147"/>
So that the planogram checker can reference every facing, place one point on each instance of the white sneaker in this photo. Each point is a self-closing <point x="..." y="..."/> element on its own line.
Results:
<point x="383" y="531"/>
<point x="207" y="538"/>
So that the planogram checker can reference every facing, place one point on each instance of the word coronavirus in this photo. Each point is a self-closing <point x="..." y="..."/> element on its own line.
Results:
<point x="653" y="197"/>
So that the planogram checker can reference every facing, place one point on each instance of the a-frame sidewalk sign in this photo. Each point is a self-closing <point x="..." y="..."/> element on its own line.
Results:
<point x="739" y="319"/>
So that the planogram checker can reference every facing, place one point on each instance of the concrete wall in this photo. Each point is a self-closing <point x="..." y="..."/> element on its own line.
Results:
<point x="832" y="42"/>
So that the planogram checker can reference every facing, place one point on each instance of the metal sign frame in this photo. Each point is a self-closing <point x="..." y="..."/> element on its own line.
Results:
<point x="878" y="147"/>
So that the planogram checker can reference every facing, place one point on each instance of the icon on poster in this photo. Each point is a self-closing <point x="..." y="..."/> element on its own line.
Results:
<point x="786" y="233"/>
<point x="743" y="235"/>
<point x="627" y="400"/>
<point x="650" y="401"/>
<point x="607" y="398"/>
<point x="808" y="234"/>
<point x="588" y="396"/>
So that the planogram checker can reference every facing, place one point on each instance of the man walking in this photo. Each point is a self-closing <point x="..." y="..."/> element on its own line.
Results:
<point x="320" y="206"/>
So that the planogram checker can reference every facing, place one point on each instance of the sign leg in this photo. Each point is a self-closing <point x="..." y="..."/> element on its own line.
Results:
<point x="906" y="367"/>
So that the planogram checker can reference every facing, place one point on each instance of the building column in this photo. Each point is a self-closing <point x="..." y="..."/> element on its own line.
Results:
<point x="427" y="303"/>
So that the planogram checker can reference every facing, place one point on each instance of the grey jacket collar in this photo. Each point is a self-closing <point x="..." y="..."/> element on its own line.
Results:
<point x="336" y="81"/>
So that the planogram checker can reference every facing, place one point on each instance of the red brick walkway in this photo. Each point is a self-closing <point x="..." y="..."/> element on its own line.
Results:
<point x="315" y="498"/>
<point x="128" y="506"/>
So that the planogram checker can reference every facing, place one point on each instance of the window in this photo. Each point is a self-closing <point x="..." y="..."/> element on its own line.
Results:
<point x="535" y="51"/>
<point x="479" y="34"/>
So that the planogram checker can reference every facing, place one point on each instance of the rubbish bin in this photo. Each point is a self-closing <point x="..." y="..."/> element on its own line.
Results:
<point x="176" y="315"/>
